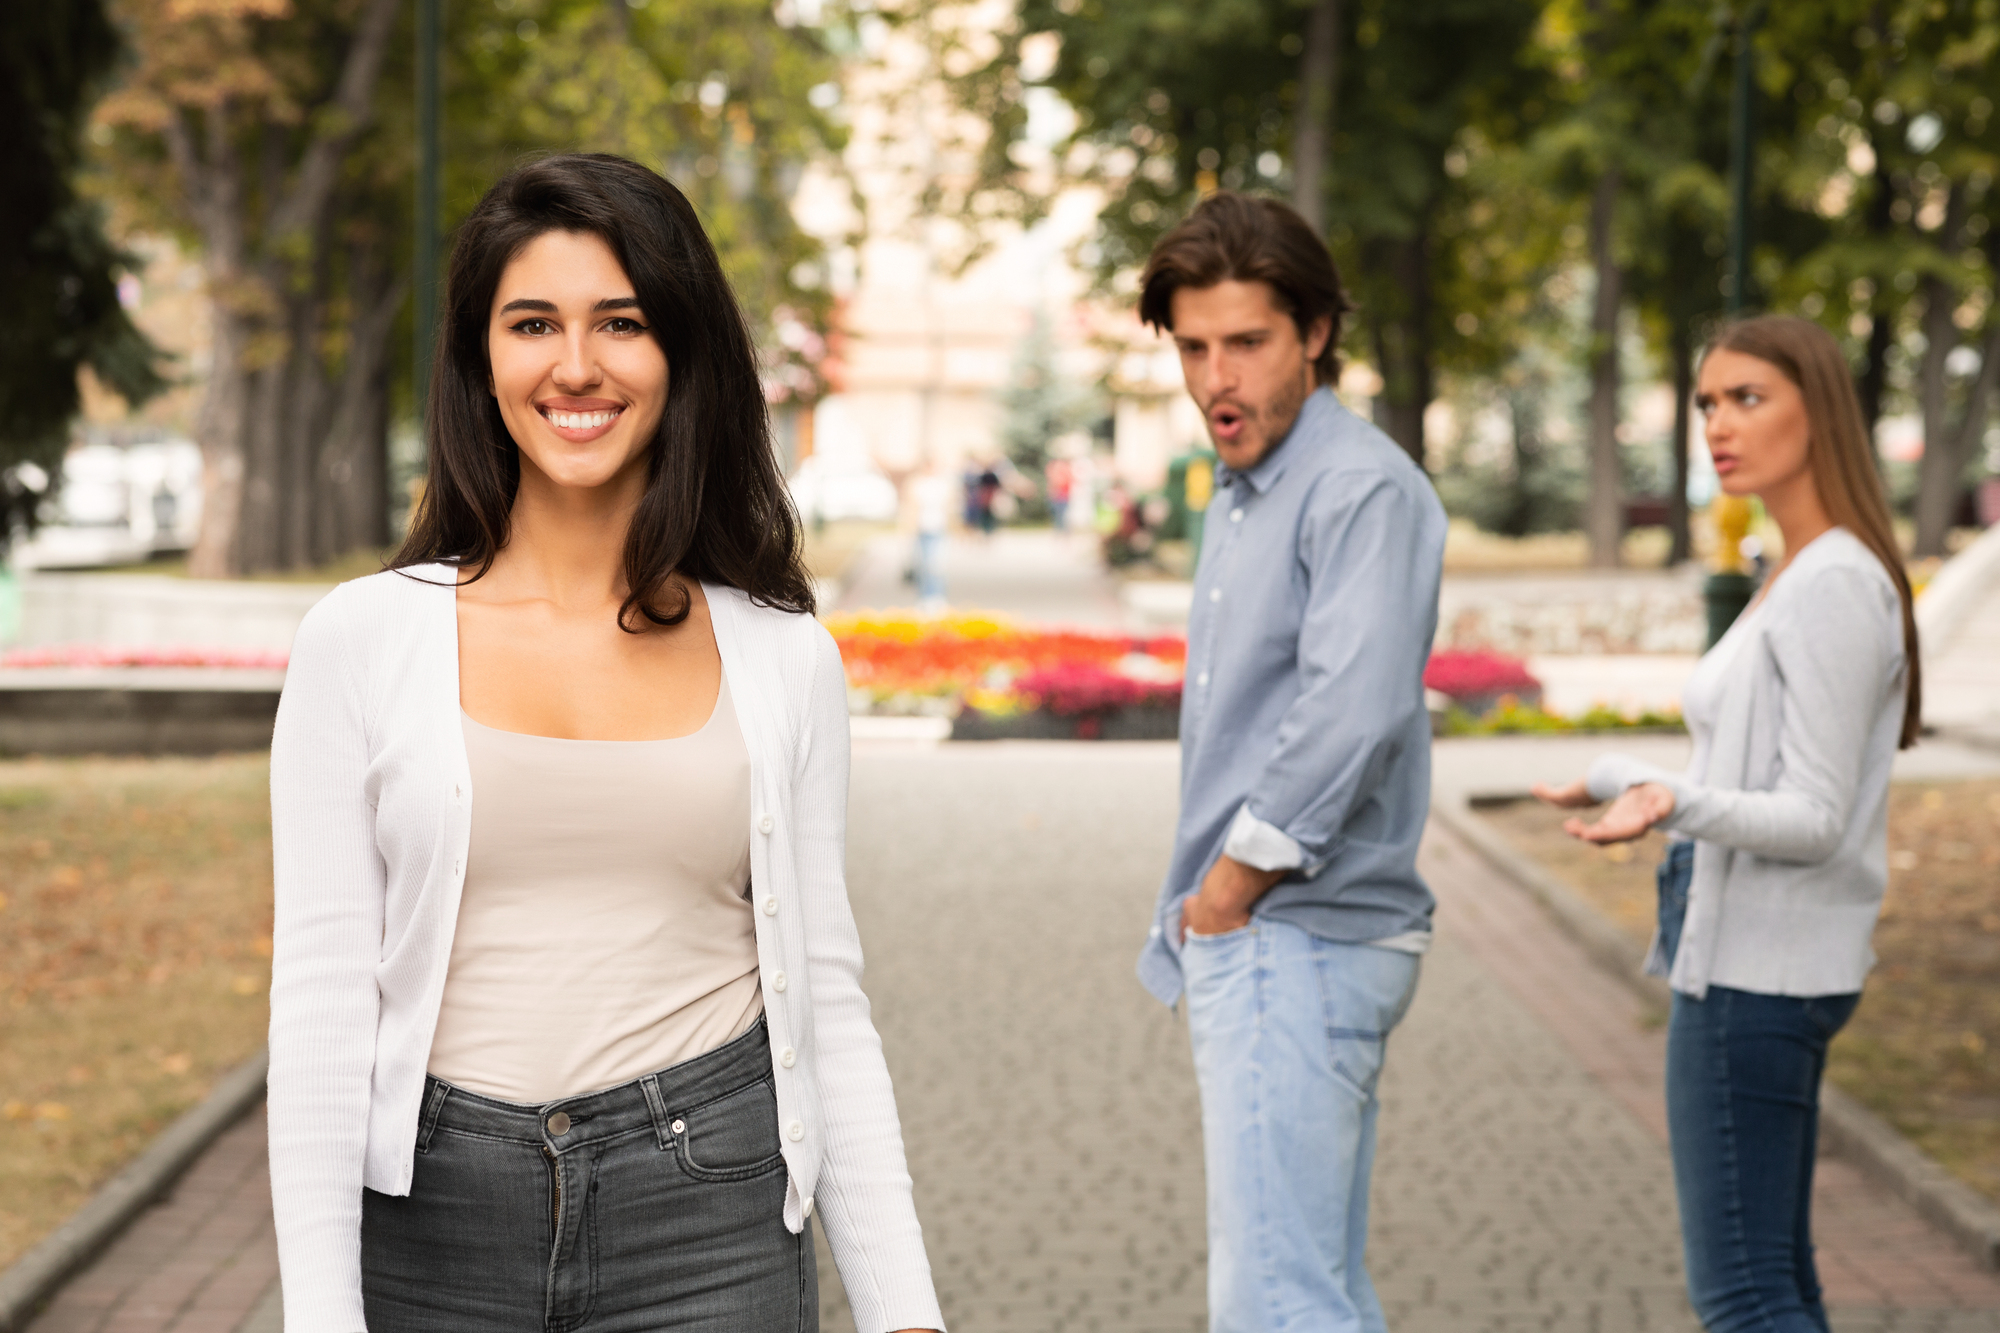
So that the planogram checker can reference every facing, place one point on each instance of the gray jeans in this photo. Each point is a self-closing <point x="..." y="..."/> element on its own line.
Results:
<point x="657" y="1204"/>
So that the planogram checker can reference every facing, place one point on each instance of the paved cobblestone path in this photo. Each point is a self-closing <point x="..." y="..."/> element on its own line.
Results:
<point x="1050" y="1111"/>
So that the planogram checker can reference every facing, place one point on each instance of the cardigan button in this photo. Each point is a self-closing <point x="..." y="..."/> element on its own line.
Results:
<point x="778" y="982"/>
<point x="766" y="824"/>
<point x="806" y="1208"/>
<point x="788" y="1057"/>
<point x="770" y="905"/>
<point x="795" y="1131"/>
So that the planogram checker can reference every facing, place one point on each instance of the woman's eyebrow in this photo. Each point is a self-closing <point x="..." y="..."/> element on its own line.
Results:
<point x="539" y="306"/>
<point x="616" y="303"/>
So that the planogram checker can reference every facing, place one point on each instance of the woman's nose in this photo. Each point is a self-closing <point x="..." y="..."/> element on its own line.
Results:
<point x="577" y="369"/>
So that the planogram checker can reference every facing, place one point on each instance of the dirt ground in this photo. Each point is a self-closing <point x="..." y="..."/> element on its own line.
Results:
<point x="135" y="944"/>
<point x="1921" y="1048"/>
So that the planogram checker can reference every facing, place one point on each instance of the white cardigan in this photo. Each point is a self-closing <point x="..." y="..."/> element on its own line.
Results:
<point x="1791" y="818"/>
<point x="371" y="804"/>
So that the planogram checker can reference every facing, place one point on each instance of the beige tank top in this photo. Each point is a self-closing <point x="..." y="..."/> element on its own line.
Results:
<point x="605" y="930"/>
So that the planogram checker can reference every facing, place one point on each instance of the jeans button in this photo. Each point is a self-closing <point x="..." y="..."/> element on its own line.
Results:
<point x="559" y="1123"/>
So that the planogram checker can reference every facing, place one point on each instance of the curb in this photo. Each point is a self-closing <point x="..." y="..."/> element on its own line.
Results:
<point x="36" y="1275"/>
<point x="1848" y="1128"/>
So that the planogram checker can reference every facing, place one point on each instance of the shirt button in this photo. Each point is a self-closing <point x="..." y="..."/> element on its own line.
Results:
<point x="795" y="1131"/>
<point x="1236" y="516"/>
<point x="788" y="1057"/>
<point x="679" y="1127"/>
<point x="1215" y="594"/>
<point x="1202" y="679"/>
<point x="770" y="905"/>
<point x="766" y="824"/>
<point x="559" y="1123"/>
<point x="778" y="982"/>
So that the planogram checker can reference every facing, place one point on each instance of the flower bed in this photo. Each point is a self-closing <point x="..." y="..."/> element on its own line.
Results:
<point x="901" y="663"/>
<point x="1479" y="680"/>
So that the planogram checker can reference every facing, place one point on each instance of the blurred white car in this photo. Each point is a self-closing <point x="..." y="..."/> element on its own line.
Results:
<point x="828" y="490"/>
<point x="118" y="506"/>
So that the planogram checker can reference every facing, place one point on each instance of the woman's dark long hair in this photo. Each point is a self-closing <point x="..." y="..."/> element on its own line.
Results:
<point x="715" y="507"/>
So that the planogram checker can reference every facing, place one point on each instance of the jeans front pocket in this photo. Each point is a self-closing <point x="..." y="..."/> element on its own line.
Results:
<point x="734" y="1137"/>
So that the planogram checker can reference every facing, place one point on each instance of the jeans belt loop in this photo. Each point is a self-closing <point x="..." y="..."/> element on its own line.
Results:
<point x="657" y="1105"/>
<point x="439" y="1091"/>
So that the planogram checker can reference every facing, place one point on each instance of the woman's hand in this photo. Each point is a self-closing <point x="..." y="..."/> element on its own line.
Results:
<point x="1637" y="809"/>
<point x="1570" y="796"/>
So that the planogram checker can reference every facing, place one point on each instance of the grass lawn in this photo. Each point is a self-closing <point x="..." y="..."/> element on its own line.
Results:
<point x="135" y="944"/>
<point x="1921" y="1050"/>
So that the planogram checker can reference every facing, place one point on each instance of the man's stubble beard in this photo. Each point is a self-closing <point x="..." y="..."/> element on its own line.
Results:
<point x="1274" y="417"/>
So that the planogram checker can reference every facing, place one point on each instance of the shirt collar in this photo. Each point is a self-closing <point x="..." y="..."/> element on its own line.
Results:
<point x="1272" y="465"/>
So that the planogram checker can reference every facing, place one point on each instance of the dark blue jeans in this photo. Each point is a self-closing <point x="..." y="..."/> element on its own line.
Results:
<point x="1743" y="1074"/>
<point x="652" y="1205"/>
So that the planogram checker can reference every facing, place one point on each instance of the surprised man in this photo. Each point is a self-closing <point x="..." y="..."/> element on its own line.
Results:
<point x="1292" y="916"/>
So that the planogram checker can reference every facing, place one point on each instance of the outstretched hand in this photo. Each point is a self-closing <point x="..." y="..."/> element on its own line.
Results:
<point x="1636" y="810"/>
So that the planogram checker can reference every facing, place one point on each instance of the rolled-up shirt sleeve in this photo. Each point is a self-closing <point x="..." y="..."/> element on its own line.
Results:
<point x="1372" y="576"/>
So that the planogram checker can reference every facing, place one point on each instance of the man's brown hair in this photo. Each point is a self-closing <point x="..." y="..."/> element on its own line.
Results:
<point x="1235" y="237"/>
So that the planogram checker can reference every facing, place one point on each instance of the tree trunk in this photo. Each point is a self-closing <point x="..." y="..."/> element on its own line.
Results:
<point x="1937" y="473"/>
<point x="1524" y="414"/>
<point x="265" y="417"/>
<point x="1873" y="382"/>
<point x="1319" y="107"/>
<point x="219" y="429"/>
<point x="1401" y="333"/>
<point x="1604" y="511"/>
<point x="351" y="473"/>
<point x="1948" y="445"/>
<point x="1681" y="346"/>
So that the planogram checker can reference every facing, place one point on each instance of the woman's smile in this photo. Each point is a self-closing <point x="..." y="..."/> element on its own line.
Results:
<point x="580" y="420"/>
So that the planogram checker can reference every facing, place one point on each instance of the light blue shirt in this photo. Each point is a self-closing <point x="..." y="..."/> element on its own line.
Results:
<point x="1305" y="744"/>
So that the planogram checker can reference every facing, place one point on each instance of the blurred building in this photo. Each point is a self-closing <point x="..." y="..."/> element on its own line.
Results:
<point x="927" y="340"/>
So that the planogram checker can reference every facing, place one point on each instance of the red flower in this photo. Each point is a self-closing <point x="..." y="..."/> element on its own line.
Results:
<point x="1075" y="689"/>
<point x="1464" y="675"/>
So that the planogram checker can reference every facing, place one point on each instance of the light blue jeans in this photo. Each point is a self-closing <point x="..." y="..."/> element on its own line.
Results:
<point x="1288" y="1035"/>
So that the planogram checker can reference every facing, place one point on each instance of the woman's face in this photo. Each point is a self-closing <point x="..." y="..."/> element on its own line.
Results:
<point x="1755" y="422"/>
<point x="580" y="381"/>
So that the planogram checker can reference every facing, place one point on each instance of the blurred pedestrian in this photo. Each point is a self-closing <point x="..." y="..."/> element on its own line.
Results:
<point x="1778" y="829"/>
<point x="930" y="494"/>
<point x="1292" y="916"/>
<point x="1060" y="477"/>
<point x="566" y="1018"/>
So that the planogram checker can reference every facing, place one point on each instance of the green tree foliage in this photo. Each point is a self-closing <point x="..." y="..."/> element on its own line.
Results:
<point x="56" y="266"/>
<point x="1894" y="150"/>
<point x="278" y="137"/>
<point x="729" y="102"/>
<point x="1039" y="404"/>
<point x="1174" y="99"/>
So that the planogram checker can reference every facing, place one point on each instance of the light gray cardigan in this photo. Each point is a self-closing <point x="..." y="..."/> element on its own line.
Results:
<point x="1791" y="817"/>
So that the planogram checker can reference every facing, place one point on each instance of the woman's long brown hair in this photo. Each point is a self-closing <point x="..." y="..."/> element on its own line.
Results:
<point x="715" y="505"/>
<point x="1838" y="452"/>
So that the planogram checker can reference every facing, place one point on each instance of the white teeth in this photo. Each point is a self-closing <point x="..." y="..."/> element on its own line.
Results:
<point x="581" y="420"/>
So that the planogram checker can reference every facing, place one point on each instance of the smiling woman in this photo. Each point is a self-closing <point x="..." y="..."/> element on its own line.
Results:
<point x="566" y="1017"/>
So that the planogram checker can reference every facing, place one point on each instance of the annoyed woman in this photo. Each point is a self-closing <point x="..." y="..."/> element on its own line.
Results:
<point x="1778" y="852"/>
<point x="567" y="1029"/>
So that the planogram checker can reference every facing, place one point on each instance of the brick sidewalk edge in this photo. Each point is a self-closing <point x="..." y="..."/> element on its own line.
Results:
<point x="1849" y="1128"/>
<point x="36" y="1275"/>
